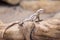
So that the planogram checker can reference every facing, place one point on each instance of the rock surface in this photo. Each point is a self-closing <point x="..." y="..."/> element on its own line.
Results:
<point x="49" y="6"/>
<point x="12" y="2"/>
<point x="44" y="30"/>
<point x="2" y="28"/>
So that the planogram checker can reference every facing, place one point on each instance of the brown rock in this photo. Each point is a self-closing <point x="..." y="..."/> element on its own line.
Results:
<point x="49" y="6"/>
<point x="47" y="30"/>
<point x="17" y="32"/>
<point x="13" y="32"/>
<point x="2" y="28"/>
<point x="44" y="30"/>
<point x="13" y="2"/>
<point x="1" y="23"/>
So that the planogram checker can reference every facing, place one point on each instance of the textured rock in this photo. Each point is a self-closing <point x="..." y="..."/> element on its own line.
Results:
<point x="14" y="33"/>
<point x="44" y="30"/>
<point x="17" y="32"/>
<point x="2" y="26"/>
<point x="47" y="30"/>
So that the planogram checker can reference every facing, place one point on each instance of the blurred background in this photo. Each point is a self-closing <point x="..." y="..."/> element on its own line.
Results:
<point x="17" y="10"/>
